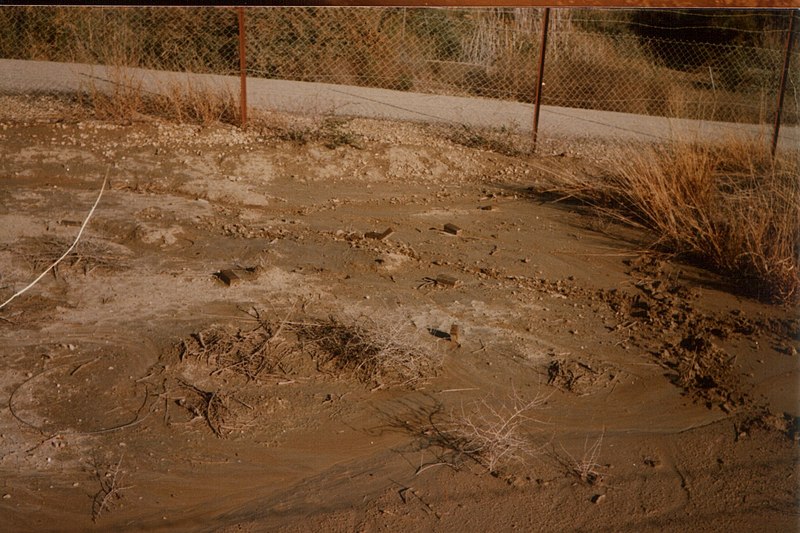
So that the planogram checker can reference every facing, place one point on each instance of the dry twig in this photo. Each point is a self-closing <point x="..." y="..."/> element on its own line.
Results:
<point x="492" y="436"/>
<point x="587" y="469"/>
<point x="110" y="489"/>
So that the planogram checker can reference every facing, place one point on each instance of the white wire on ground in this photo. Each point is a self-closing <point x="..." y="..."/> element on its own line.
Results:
<point x="65" y="254"/>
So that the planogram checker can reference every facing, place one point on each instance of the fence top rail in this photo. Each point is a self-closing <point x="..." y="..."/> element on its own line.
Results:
<point x="617" y="4"/>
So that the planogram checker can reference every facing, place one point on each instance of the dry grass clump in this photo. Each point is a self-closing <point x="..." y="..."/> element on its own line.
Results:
<point x="127" y="100"/>
<point x="197" y="103"/>
<point x="383" y="352"/>
<point x="330" y="132"/>
<point x="492" y="435"/>
<point x="502" y="141"/>
<point x="728" y="205"/>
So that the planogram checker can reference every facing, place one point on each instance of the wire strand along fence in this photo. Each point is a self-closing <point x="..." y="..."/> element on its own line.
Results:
<point x="609" y="60"/>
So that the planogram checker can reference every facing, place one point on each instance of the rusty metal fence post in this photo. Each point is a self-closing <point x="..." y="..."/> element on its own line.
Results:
<point x="242" y="69"/>
<point x="538" y="97"/>
<point x="787" y="57"/>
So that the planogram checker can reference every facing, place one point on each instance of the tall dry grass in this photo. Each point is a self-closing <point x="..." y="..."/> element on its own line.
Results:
<point x="126" y="99"/>
<point x="728" y="206"/>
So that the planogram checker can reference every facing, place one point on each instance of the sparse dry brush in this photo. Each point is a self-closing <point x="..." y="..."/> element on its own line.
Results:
<point x="586" y="467"/>
<point x="496" y="435"/>
<point x="727" y="205"/>
<point x="382" y="352"/>
<point x="127" y="100"/>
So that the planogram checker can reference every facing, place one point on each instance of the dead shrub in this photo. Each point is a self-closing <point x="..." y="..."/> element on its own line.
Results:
<point x="110" y="489"/>
<point x="386" y="352"/>
<point x="216" y="408"/>
<point x="494" y="436"/>
<point x="224" y="371"/>
<point x="249" y="353"/>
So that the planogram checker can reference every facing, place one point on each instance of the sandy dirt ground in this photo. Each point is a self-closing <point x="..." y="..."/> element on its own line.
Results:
<point x="193" y="364"/>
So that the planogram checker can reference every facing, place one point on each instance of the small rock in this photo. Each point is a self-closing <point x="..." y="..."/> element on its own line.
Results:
<point x="452" y="229"/>
<point x="517" y="481"/>
<point x="448" y="281"/>
<point x="379" y="236"/>
<point x="6" y="496"/>
<point x="228" y="277"/>
<point x="598" y="498"/>
<point x="455" y="331"/>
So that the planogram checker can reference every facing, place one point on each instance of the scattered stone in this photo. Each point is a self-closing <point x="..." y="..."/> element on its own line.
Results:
<point x="452" y="229"/>
<point x="487" y="208"/>
<point x="447" y="281"/>
<point x="789" y="350"/>
<point x="517" y="481"/>
<point x="379" y="236"/>
<point x="228" y="277"/>
<point x="455" y="330"/>
<point x="598" y="498"/>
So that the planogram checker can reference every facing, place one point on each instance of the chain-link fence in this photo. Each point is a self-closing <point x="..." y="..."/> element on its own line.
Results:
<point x="596" y="59"/>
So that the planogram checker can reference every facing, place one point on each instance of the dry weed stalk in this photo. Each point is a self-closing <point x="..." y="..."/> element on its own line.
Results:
<point x="385" y="352"/>
<point x="587" y="469"/>
<point x="110" y="489"/>
<point x="494" y="437"/>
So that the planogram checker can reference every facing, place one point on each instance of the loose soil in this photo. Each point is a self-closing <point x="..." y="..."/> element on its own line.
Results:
<point x="211" y="355"/>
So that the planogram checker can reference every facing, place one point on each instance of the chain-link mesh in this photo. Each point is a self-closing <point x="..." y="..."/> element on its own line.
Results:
<point x="593" y="60"/>
<point x="622" y="72"/>
<point x="203" y="40"/>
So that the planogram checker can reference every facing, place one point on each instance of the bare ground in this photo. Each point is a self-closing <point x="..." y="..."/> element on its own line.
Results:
<point x="141" y="391"/>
